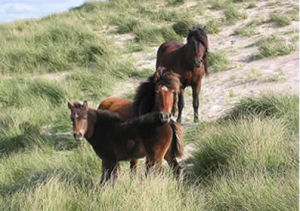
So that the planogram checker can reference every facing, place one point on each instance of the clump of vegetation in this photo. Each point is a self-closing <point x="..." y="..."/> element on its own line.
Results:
<point x="249" y="29"/>
<point x="125" y="24"/>
<point x="154" y="34"/>
<point x="251" y="5"/>
<point x="218" y="61"/>
<point x="250" y="151"/>
<point x="213" y="26"/>
<point x="294" y="14"/>
<point x="182" y="27"/>
<point x="274" y="46"/>
<point x="232" y="14"/>
<point x="45" y="50"/>
<point x="280" y="19"/>
<point x="217" y="4"/>
<point x="175" y="2"/>
<point x="278" y="106"/>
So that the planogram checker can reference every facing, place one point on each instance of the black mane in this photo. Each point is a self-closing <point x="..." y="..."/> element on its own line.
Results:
<point x="145" y="94"/>
<point x="144" y="97"/>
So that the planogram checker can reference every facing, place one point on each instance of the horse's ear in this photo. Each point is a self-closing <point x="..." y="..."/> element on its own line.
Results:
<point x="85" y="105"/>
<point x="70" y="105"/>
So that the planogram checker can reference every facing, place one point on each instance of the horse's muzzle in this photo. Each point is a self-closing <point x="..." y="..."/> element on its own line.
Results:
<point x="165" y="118"/>
<point x="77" y="136"/>
<point x="198" y="63"/>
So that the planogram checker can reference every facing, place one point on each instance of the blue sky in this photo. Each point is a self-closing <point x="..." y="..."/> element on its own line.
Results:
<point x="11" y="10"/>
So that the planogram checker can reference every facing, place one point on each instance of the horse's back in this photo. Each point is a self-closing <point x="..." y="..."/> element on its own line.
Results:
<point x="122" y="107"/>
<point x="165" y="53"/>
<point x="168" y="47"/>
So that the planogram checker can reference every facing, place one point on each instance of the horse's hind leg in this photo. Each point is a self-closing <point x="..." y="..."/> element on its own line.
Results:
<point x="180" y="104"/>
<point x="174" y="165"/>
<point x="133" y="165"/>
<point x="110" y="170"/>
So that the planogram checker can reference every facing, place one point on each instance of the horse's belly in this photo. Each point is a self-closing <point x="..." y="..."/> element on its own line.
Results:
<point x="134" y="149"/>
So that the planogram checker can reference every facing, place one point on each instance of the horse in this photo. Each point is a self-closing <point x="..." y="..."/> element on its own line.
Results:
<point x="189" y="61"/>
<point x="158" y="93"/>
<point x="112" y="139"/>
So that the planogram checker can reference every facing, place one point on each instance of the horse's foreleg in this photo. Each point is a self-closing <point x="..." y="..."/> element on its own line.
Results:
<point x="110" y="170"/>
<point x="196" y="90"/>
<point x="180" y="104"/>
<point x="153" y="164"/>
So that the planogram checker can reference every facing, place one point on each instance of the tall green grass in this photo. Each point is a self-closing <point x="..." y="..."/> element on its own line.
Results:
<point x="53" y="47"/>
<point x="249" y="159"/>
<point x="245" y="161"/>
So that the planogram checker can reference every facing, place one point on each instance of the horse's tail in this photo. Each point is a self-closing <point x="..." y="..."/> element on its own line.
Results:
<point x="177" y="141"/>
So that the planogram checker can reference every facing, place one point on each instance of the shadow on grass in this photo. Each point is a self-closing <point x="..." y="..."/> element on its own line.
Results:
<point x="31" y="136"/>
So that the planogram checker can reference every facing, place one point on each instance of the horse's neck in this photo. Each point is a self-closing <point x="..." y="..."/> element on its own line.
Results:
<point x="185" y="58"/>
<point x="92" y="120"/>
<point x="187" y="48"/>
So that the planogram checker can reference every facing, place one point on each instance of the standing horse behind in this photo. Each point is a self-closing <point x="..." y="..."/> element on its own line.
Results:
<point x="189" y="61"/>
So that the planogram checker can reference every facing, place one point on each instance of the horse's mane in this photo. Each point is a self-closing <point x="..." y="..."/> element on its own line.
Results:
<point x="200" y="35"/>
<point x="107" y="116"/>
<point x="145" y="94"/>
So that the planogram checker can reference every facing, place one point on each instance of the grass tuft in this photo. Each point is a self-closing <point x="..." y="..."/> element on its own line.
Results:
<point x="232" y="14"/>
<point x="175" y="2"/>
<point x="280" y="19"/>
<point x="182" y="27"/>
<point x="213" y="26"/>
<point x="218" y="61"/>
<point x="274" y="46"/>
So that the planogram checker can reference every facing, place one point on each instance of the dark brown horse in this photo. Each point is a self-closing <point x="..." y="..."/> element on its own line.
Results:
<point x="158" y="93"/>
<point x="189" y="61"/>
<point x="113" y="139"/>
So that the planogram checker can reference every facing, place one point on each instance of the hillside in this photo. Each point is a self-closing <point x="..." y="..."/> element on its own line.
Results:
<point x="243" y="155"/>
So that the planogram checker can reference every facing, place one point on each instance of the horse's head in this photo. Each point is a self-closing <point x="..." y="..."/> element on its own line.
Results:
<point x="79" y="118"/>
<point x="197" y="39"/>
<point x="167" y="85"/>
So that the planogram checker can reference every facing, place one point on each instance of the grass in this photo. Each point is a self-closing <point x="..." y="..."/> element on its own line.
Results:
<point x="249" y="29"/>
<point x="218" y="61"/>
<point x="213" y="26"/>
<point x="153" y="35"/>
<point x="232" y="14"/>
<point x="175" y="2"/>
<point x="246" y="160"/>
<point x="217" y="4"/>
<point x="274" y="46"/>
<point x="42" y="51"/>
<point x="251" y="5"/>
<point x="182" y="27"/>
<point x="280" y="19"/>
<point x="251" y="154"/>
